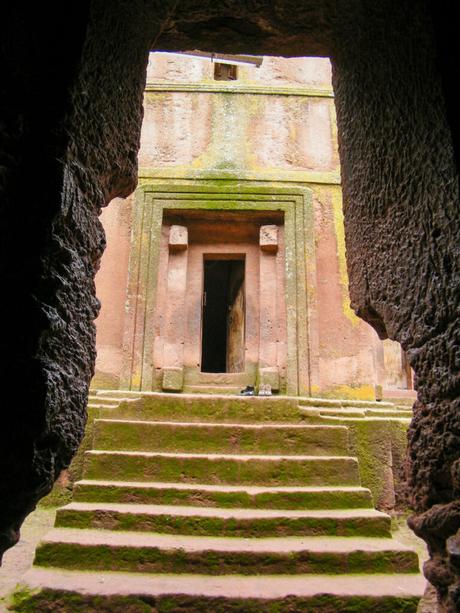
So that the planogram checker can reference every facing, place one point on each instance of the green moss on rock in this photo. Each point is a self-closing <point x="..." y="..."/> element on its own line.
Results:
<point x="380" y="446"/>
<point x="328" y="499"/>
<point x="222" y="470"/>
<point x="48" y="601"/>
<point x="212" y="438"/>
<point x="216" y="526"/>
<point x="232" y="409"/>
<point x="155" y="560"/>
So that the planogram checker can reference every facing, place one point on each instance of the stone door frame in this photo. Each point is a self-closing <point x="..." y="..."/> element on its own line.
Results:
<point x="151" y="199"/>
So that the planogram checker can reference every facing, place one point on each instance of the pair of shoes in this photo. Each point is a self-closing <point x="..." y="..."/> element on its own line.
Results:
<point x="248" y="391"/>
<point x="265" y="389"/>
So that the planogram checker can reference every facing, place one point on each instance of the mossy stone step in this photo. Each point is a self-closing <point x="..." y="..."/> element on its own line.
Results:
<point x="107" y="408"/>
<point x="350" y="412"/>
<point x="270" y="470"/>
<point x="152" y="553"/>
<point x="226" y="390"/>
<point x="105" y="400"/>
<point x="153" y="593"/>
<point x="223" y="522"/>
<point x="351" y="421"/>
<point x="220" y="438"/>
<point x="224" y="503"/>
<point x="211" y="408"/>
<point x="396" y="412"/>
<point x="341" y="402"/>
<point x="302" y="400"/>
<point x="223" y="496"/>
<point x="318" y="412"/>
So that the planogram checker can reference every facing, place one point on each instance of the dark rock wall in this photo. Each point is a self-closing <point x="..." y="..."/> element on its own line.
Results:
<point x="70" y="116"/>
<point x="71" y="111"/>
<point x="35" y="260"/>
<point x="401" y="199"/>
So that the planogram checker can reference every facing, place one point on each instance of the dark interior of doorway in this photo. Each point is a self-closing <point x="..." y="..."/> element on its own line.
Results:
<point x="222" y="339"/>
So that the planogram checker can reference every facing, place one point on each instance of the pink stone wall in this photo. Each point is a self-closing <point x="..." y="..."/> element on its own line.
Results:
<point x="111" y="283"/>
<point x="348" y="348"/>
<point x="176" y="129"/>
<point x="294" y="134"/>
<point x="244" y="131"/>
<point x="307" y="71"/>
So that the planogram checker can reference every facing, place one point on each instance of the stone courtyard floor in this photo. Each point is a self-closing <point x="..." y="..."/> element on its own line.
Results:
<point x="19" y="559"/>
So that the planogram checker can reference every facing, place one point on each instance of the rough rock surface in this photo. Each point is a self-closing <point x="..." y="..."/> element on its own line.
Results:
<point x="69" y="132"/>
<point x="69" y="139"/>
<point x="401" y="218"/>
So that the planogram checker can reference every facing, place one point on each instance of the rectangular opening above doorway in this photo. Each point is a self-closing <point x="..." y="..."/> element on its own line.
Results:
<point x="223" y="314"/>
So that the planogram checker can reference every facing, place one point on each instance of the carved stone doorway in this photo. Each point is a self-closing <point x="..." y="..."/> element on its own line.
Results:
<point x="174" y="234"/>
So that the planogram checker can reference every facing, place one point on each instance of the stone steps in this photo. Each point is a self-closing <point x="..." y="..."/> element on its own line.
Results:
<point x="341" y="419"/>
<point x="100" y="401"/>
<point x="104" y="400"/>
<point x="322" y="412"/>
<point x="116" y="393"/>
<point x="336" y="402"/>
<point x="88" y="549"/>
<point x="186" y="398"/>
<point x="225" y="496"/>
<point x="101" y="407"/>
<point x="226" y="391"/>
<point x="355" y="412"/>
<point x="110" y="434"/>
<point x="229" y="469"/>
<point x="172" y="519"/>
<point x="225" y="503"/>
<point x="233" y="390"/>
<point x="299" y="593"/>
<point x="205" y="408"/>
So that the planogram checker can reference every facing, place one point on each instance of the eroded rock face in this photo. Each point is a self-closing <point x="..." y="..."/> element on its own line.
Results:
<point x="71" y="116"/>
<point x="401" y="213"/>
<point x="45" y="282"/>
<point x="70" y="134"/>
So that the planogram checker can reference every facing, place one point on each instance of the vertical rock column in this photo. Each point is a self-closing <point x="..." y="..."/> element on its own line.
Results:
<point x="77" y="142"/>
<point x="268" y="355"/>
<point x="173" y="368"/>
<point x="401" y="203"/>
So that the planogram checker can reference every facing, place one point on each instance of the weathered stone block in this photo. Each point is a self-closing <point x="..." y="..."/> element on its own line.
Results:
<point x="178" y="238"/>
<point x="268" y="238"/>
<point x="173" y="379"/>
<point x="271" y="377"/>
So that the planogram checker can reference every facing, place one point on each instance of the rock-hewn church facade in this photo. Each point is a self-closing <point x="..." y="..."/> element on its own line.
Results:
<point x="227" y="266"/>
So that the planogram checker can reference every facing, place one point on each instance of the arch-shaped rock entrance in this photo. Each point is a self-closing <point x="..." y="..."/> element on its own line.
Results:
<point x="76" y="144"/>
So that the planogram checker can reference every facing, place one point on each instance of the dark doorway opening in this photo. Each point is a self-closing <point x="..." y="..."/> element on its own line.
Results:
<point x="222" y="338"/>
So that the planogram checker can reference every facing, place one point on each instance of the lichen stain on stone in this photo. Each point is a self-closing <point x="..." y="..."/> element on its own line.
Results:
<point x="336" y="201"/>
